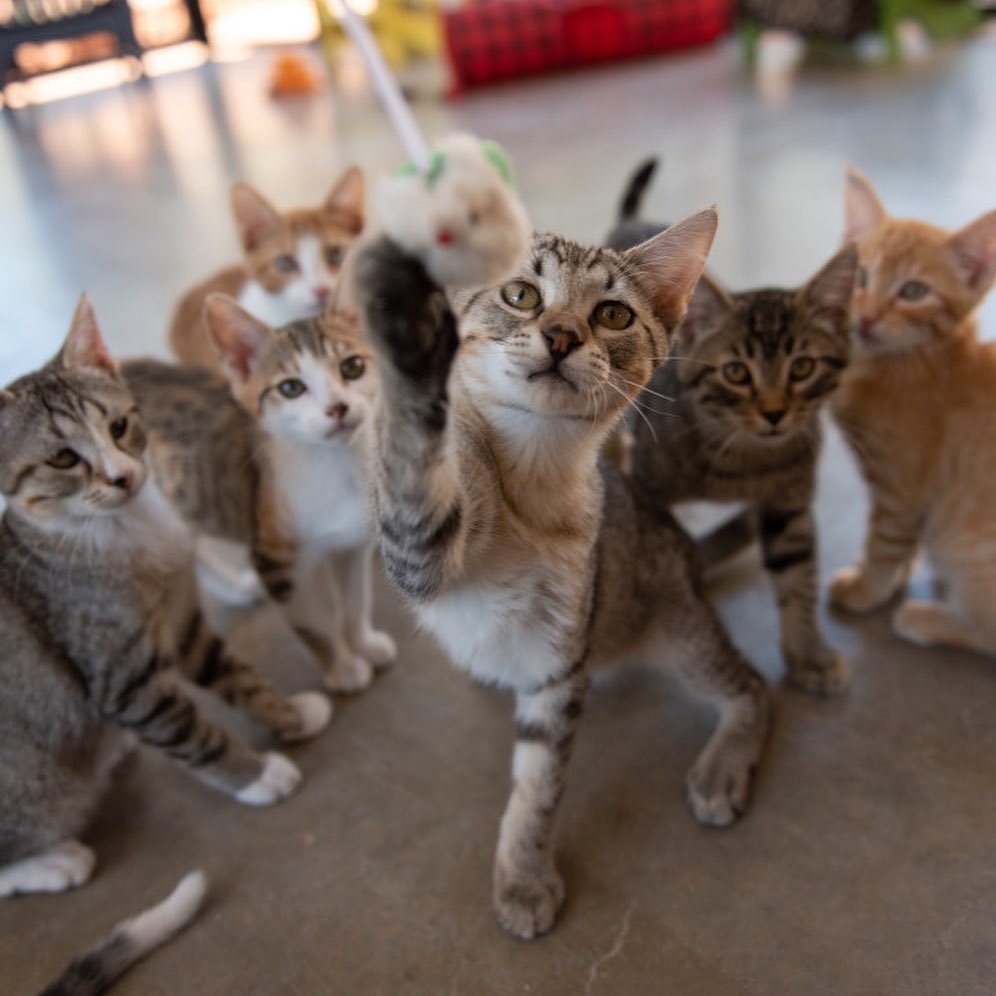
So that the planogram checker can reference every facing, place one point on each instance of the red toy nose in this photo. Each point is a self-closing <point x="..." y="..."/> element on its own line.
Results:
<point x="444" y="237"/>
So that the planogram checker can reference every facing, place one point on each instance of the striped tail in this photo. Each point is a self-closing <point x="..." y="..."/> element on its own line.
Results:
<point x="629" y="207"/>
<point x="95" y="971"/>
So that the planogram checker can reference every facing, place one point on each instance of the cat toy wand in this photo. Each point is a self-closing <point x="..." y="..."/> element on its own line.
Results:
<point x="386" y="85"/>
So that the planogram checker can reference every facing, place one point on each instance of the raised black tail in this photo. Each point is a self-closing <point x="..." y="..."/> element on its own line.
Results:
<point x="629" y="207"/>
<point x="93" y="972"/>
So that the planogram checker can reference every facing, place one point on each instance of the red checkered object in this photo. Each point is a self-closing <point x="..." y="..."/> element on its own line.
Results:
<point x="501" y="39"/>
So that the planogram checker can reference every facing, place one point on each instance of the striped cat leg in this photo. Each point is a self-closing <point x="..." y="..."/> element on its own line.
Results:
<point x="273" y="551"/>
<point x="788" y="544"/>
<point x="890" y="546"/>
<point x="204" y="658"/>
<point x="151" y="703"/>
<point x="528" y="890"/>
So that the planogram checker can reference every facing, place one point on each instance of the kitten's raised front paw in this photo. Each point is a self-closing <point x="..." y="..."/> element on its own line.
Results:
<point x="349" y="673"/>
<point x="527" y="906"/>
<point x="279" y="778"/>
<point x="65" y="866"/>
<point x="829" y="675"/>
<point x="315" y="711"/>
<point x="719" y="787"/>
<point x="849" y="591"/>
<point x="379" y="648"/>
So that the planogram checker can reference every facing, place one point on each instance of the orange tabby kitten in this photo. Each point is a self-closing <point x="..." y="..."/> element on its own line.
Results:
<point x="918" y="405"/>
<point x="291" y="265"/>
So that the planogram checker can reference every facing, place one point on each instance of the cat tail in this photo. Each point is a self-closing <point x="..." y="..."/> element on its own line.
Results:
<point x="728" y="539"/>
<point x="102" y="965"/>
<point x="629" y="207"/>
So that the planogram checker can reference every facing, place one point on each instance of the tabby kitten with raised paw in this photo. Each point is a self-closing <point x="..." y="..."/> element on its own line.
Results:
<point x="290" y="268"/>
<point x="98" y="621"/>
<point x="734" y="416"/>
<point x="267" y="456"/>
<point x="529" y="562"/>
<point x="918" y="406"/>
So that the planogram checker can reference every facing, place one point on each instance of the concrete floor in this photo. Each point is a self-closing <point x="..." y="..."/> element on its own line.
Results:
<point x="866" y="865"/>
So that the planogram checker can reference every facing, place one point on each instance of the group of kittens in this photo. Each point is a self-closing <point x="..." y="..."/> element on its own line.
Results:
<point x="513" y="451"/>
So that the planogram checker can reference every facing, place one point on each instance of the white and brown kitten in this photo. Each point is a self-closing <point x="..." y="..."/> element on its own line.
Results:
<point x="267" y="456"/>
<point x="290" y="269"/>
<point x="99" y="623"/>
<point x="529" y="562"/>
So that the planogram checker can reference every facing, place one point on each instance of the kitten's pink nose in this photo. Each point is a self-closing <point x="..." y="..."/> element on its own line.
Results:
<point x="337" y="411"/>
<point x="123" y="481"/>
<point x="866" y="322"/>
<point x="322" y="295"/>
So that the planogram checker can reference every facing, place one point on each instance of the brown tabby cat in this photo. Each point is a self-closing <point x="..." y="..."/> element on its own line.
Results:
<point x="291" y="265"/>
<point x="528" y="561"/>
<point x="98" y="609"/>
<point x="918" y="405"/>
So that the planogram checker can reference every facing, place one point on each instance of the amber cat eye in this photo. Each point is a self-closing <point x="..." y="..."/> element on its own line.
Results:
<point x="352" y="367"/>
<point x="914" y="290"/>
<point x="736" y="373"/>
<point x="64" y="459"/>
<point x="521" y="295"/>
<point x="613" y="315"/>
<point x="285" y="264"/>
<point x="801" y="367"/>
<point x="292" y="387"/>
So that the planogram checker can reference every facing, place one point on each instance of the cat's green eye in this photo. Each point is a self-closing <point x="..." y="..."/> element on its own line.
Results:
<point x="613" y="315"/>
<point x="520" y="295"/>
<point x="352" y="367"/>
<point x="118" y="428"/>
<point x="736" y="373"/>
<point x="292" y="387"/>
<point x="914" y="290"/>
<point x="862" y="278"/>
<point x="286" y="264"/>
<point x="801" y="367"/>
<point x="64" y="459"/>
<point x="334" y="255"/>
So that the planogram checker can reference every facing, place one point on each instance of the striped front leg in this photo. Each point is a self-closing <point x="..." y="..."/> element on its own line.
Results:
<point x="788" y="544"/>
<point x="528" y="890"/>
<point x="204" y="658"/>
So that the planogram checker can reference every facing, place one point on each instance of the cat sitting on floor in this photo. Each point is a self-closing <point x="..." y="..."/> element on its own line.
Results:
<point x="290" y="269"/>
<point x="98" y="620"/>
<point x="266" y="455"/>
<point x="918" y="406"/>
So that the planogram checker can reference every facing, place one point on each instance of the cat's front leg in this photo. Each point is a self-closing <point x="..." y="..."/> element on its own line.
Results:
<point x="890" y="547"/>
<point x="355" y="572"/>
<point x="528" y="889"/>
<point x="788" y="543"/>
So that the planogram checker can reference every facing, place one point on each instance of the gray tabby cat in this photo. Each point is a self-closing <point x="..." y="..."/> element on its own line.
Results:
<point x="529" y="563"/>
<point x="267" y="457"/>
<point x="97" y="606"/>
<point x="734" y="416"/>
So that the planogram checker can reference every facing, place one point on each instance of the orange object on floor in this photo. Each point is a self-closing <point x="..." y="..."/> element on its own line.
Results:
<point x="292" y="76"/>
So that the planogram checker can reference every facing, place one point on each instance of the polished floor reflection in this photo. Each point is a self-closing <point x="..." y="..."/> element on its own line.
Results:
<point x="865" y="865"/>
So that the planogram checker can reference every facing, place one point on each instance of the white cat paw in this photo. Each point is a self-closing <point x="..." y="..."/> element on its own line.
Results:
<point x="279" y="778"/>
<point x="379" y="648"/>
<point x="65" y="866"/>
<point x="315" y="711"/>
<point x="527" y="905"/>
<point x="349" y="673"/>
<point x="718" y="789"/>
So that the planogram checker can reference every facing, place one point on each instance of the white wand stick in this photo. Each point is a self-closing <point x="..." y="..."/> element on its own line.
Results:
<point x="387" y="88"/>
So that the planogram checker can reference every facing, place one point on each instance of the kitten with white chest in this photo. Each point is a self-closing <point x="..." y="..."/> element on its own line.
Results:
<point x="266" y="455"/>
<point x="290" y="268"/>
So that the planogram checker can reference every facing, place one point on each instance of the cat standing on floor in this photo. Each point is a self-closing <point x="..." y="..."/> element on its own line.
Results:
<point x="98" y="611"/>
<point x="527" y="562"/>
<point x="918" y="406"/>
<point x="291" y="265"/>
<point x="268" y="458"/>
<point x="734" y="416"/>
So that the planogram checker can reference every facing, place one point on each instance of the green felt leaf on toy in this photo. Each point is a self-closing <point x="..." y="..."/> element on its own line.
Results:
<point x="461" y="217"/>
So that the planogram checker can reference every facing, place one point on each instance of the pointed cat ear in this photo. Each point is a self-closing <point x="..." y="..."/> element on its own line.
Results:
<point x="833" y="287"/>
<point x="975" y="251"/>
<point x="710" y="303"/>
<point x="862" y="208"/>
<point x="84" y="348"/>
<point x="255" y="216"/>
<point x="345" y="202"/>
<point x="238" y="338"/>
<point x="672" y="262"/>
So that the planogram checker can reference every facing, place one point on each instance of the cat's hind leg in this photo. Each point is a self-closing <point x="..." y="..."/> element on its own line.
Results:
<point x="63" y="866"/>
<point x="965" y="627"/>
